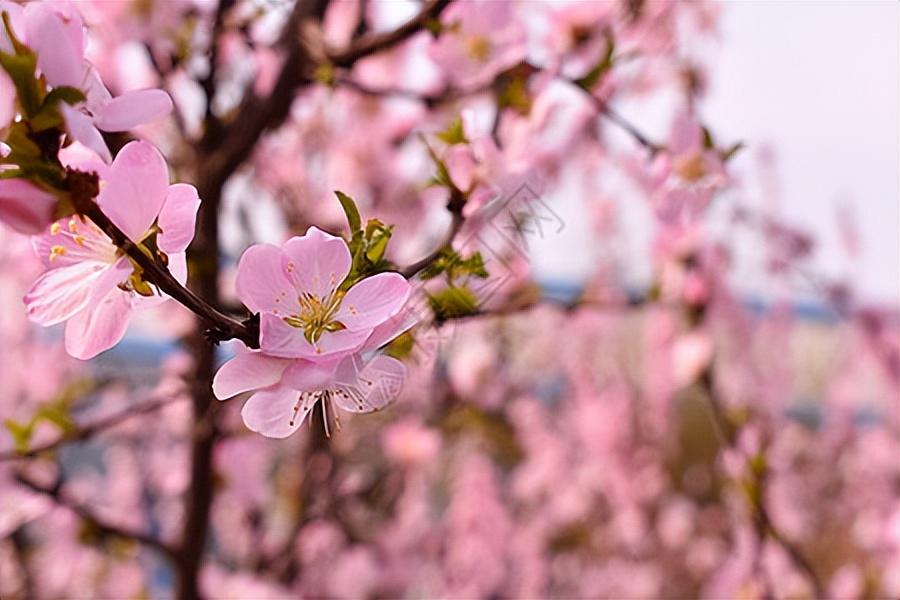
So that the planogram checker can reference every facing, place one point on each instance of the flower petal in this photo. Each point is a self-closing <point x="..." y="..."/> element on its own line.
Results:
<point x="59" y="294"/>
<point x="371" y="386"/>
<point x="24" y="206"/>
<point x="100" y="326"/>
<point x="248" y="371"/>
<point x="261" y="283"/>
<point x="58" y="44"/>
<point x="373" y="301"/>
<point x="271" y="412"/>
<point x="280" y="339"/>
<point x="136" y="189"/>
<point x="7" y="100"/>
<point x="400" y="323"/>
<point x="81" y="127"/>
<point x="310" y="376"/>
<point x="132" y="109"/>
<point x="316" y="263"/>
<point x="178" y="217"/>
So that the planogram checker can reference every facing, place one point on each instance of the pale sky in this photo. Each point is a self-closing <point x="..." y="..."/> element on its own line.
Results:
<point x="819" y="81"/>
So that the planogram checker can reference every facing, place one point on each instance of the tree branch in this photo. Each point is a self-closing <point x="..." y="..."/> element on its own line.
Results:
<point x="371" y="43"/>
<point x="103" y="528"/>
<point x="221" y="326"/>
<point x="87" y="431"/>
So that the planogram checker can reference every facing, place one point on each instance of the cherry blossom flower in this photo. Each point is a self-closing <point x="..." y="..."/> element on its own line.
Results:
<point x="304" y="311"/>
<point x="687" y="175"/>
<point x="24" y="206"/>
<point x="88" y="282"/>
<point x="55" y="32"/>
<point x="286" y="390"/>
<point x="480" y="39"/>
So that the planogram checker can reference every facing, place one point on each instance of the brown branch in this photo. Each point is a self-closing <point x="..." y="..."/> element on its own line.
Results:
<point x="765" y="527"/>
<point x="371" y="43"/>
<point x="102" y="527"/>
<point x="88" y="431"/>
<point x="416" y="267"/>
<point x="221" y="326"/>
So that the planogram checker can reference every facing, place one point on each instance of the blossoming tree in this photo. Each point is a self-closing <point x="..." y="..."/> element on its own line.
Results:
<point x="170" y="170"/>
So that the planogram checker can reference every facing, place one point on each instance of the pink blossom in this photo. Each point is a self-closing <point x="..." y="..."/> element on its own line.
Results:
<point x="687" y="175"/>
<point x="304" y="313"/>
<point x="87" y="281"/>
<point x="55" y="32"/>
<point x="480" y="39"/>
<point x="101" y="111"/>
<point x="24" y="206"/>
<point x="286" y="390"/>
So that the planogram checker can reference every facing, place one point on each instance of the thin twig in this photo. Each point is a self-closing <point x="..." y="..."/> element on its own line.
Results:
<point x="88" y="431"/>
<point x="371" y="43"/>
<point x="102" y="527"/>
<point x="221" y="326"/>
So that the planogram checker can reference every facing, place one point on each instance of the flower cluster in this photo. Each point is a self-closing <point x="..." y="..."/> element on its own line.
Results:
<point x="317" y="335"/>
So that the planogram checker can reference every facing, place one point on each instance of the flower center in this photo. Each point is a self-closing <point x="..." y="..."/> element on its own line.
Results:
<point x="690" y="168"/>
<point x="316" y="315"/>
<point x="479" y="48"/>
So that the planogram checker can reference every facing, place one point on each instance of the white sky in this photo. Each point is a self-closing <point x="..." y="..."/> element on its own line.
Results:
<point x="819" y="81"/>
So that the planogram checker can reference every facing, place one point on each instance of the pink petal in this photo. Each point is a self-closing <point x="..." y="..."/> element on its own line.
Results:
<point x="271" y="412"/>
<point x="178" y="218"/>
<point x="178" y="267"/>
<point x="247" y="371"/>
<point x="136" y="189"/>
<point x="24" y="206"/>
<point x="132" y="109"/>
<point x="373" y="301"/>
<point x="310" y="376"/>
<point x="7" y="100"/>
<point x="73" y="240"/>
<point x="16" y="19"/>
<point x="369" y="387"/>
<point x="261" y="283"/>
<point x="280" y="339"/>
<point x="81" y="128"/>
<point x="60" y="293"/>
<point x="400" y="323"/>
<point x="99" y="327"/>
<point x="316" y="263"/>
<point x="58" y="44"/>
<point x="686" y="135"/>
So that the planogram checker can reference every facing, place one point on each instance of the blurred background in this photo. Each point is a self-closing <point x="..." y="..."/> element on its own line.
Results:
<point x="677" y="377"/>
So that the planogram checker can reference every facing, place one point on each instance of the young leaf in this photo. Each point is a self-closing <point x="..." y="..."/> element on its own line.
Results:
<point x="454" y="134"/>
<point x="600" y="69"/>
<point x="350" y="210"/>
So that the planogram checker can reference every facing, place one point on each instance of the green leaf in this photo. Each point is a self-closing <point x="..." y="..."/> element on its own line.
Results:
<point x="21" y="434"/>
<point x="455" y="266"/>
<point x="64" y="93"/>
<point x="350" y="210"/>
<point x="21" y="69"/>
<point x="49" y="116"/>
<point x="453" y="302"/>
<point x="377" y="247"/>
<point x="454" y="134"/>
<point x="601" y="68"/>
<point x="708" y="141"/>
<point x="729" y="153"/>
<point x="402" y="346"/>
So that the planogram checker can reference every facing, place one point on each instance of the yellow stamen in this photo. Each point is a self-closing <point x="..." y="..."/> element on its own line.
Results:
<point x="479" y="48"/>
<point x="54" y="229"/>
<point x="56" y="251"/>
